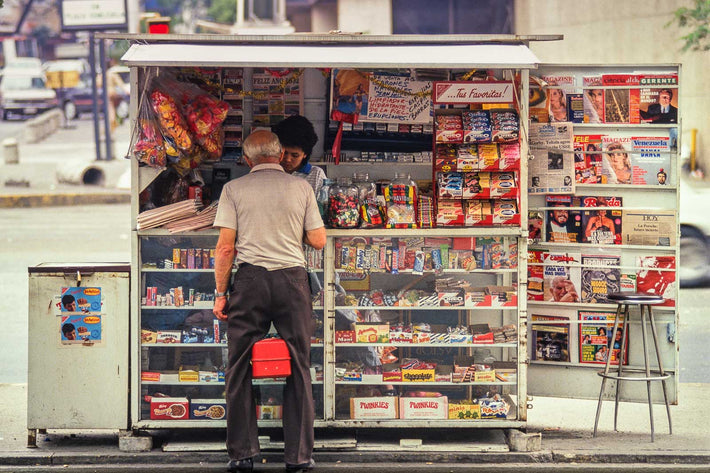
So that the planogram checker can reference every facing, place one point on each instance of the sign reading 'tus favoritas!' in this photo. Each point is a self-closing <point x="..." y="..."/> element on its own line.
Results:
<point x="473" y="92"/>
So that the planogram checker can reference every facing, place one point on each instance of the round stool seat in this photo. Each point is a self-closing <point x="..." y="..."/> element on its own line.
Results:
<point x="635" y="298"/>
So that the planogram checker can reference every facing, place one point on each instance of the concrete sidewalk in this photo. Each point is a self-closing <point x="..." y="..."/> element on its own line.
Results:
<point x="565" y="427"/>
<point x="53" y="171"/>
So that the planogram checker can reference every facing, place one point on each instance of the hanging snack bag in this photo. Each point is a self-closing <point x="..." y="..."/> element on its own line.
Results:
<point x="147" y="142"/>
<point x="171" y="120"/>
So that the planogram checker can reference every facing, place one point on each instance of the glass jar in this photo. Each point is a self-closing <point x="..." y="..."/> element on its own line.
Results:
<point x="343" y="198"/>
<point x="322" y="199"/>
<point x="401" y="197"/>
<point x="366" y="187"/>
<point x="369" y="208"/>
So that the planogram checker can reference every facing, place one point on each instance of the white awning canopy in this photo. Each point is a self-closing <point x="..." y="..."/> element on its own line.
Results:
<point x="365" y="56"/>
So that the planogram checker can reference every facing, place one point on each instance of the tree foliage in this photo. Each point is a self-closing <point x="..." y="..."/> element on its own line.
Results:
<point x="698" y="19"/>
<point x="222" y="11"/>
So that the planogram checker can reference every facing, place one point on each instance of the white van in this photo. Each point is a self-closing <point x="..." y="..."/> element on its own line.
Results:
<point x="24" y="92"/>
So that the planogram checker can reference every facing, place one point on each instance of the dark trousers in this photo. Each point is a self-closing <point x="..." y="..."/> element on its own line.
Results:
<point x="258" y="298"/>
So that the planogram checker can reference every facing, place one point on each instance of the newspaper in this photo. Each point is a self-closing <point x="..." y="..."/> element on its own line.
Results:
<point x="551" y="170"/>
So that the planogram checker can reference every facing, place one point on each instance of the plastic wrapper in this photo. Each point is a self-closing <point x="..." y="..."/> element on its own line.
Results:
<point x="204" y="113"/>
<point x="170" y="118"/>
<point x="147" y="141"/>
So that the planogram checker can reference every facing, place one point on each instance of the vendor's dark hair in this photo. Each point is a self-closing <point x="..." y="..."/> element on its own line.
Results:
<point x="298" y="132"/>
<point x="67" y="299"/>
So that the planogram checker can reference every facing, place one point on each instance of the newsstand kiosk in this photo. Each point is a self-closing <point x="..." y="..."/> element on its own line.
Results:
<point x="421" y="294"/>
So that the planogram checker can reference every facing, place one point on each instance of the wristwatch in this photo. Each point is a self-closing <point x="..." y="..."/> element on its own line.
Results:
<point x="222" y="294"/>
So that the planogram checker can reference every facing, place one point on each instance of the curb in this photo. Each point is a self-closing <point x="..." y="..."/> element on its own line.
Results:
<point x="50" y="200"/>
<point x="364" y="459"/>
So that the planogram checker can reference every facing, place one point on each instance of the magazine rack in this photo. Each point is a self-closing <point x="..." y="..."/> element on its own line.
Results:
<point x="622" y="231"/>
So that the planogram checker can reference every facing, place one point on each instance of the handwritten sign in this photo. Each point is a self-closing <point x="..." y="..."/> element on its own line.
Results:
<point x="473" y="92"/>
<point x="388" y="104"/>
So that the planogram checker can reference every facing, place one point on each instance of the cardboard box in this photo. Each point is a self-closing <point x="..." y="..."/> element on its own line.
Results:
<point x="385" y="407"/>
<point x="423" y="407"/>
<point x="345" y="336"/>
<point x="150" y="376"/>
<point x="208" y="409"/>
<point x="169" y="336"/>
<point x="492" y="409"/>
<point x="148" y="336"/>
<point x="464" y="411"/>
<point x="451" y="298"/>
<point x="372" y="333"/>
<point x="268" y="412"/>
<point x="169" y="408"/>
<point x="416" y="375"/>
<point x="208" y="376"/>
<point x="188" y="375"/>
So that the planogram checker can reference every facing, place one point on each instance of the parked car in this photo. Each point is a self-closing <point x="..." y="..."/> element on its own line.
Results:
<point x="71" y="78"/>
<point x="694" y="264"/>
<point x="24" y="93"/>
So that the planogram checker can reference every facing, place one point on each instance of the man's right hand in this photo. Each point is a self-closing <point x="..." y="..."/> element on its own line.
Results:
<point x="220" y="303"/>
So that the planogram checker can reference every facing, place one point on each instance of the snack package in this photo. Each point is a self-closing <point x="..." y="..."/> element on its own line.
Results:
<point x="172" y="123"/>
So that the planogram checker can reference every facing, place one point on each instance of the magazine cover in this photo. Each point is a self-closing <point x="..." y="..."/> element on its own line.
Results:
<point x="588" y="159"/>
<point x="621" y="105"/>
<point x="651" y="160"/>
<point x="559" y="86"/>
<point x="600" y="276"/>
<point x="593" y="99"/>
<point x="536" y="221"/>
<point x="563" y="225"/>
<point x="536" y="275"/>
<point x="653" y="280"/>
<point x="595" y="343"/>
<point x="616" y="162"/>
<point x="658" y="105"/>
<point x="562" y="276"/>
<point x="538" y="102"/>
<point x="602" y="225"/>
<point x="551" y="340"/>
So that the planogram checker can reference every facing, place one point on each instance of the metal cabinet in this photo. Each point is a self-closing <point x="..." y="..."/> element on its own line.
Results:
<point x="78" y="353"/>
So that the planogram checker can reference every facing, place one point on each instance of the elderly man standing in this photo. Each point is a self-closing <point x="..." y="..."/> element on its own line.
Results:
<point x="265" y="217"/>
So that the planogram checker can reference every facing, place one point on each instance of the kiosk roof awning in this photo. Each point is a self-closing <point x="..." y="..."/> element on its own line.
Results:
<point x="382" y="56"/>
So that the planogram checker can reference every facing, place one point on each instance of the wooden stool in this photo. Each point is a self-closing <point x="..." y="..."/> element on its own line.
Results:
<point x="624" y="300"/>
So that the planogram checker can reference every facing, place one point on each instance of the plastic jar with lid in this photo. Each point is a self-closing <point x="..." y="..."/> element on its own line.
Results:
<point x="343" y="200"/>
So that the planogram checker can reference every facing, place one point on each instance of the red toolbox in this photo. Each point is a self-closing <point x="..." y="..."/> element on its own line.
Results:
<point x="270" y="359"/>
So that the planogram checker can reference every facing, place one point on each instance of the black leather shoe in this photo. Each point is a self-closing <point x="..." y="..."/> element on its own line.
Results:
<point x="308" y="466"/>
<point x="245" y="465"/>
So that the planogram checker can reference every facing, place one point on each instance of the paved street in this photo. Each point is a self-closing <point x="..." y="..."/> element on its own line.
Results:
<point x="49" y="234"/>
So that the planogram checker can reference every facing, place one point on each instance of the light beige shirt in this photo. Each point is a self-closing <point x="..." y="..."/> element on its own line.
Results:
<point x="270" y="211"/>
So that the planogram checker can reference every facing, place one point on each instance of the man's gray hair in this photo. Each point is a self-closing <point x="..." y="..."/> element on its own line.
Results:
<point x="258" y="150"/>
